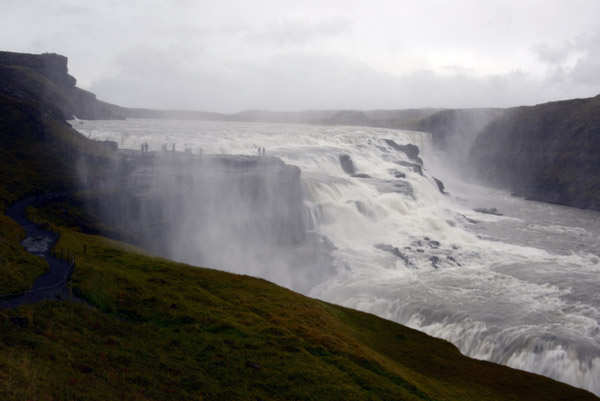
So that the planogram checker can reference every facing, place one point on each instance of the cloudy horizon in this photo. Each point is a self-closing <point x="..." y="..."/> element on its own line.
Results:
<point x="291" y="56"/>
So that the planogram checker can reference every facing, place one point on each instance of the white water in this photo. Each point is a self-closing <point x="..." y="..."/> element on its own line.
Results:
<point x="520" y="289"/>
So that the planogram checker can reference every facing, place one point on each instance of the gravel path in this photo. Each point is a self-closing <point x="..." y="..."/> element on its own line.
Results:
<point x="52" y="284"/>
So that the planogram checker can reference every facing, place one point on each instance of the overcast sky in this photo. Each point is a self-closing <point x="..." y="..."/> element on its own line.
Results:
<point x="233" y="55"/>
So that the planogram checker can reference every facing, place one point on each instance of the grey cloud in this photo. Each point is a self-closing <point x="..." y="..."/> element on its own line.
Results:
<point x="298" y="32"/>
<point x="553" y="54"/>
<point x="300" y="80"/>
<point x="587" y="70"/>
<point x="585" y="49"/>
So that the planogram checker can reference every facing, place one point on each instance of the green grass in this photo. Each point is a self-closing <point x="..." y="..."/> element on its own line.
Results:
<point x="18" y="268"/>
<point x="39" y="154"/>
<point x="160" y="330"/>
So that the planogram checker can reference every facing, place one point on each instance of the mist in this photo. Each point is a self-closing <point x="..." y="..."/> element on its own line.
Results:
<point x="240" y="213"/>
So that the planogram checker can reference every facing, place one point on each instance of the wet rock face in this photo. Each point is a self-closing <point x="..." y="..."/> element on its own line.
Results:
<point x="200" y="204"/>
<point x="492" y="210"/>
<point x="347" y="164"/>
<point x="413" y="166"/>
<point x="440" y="185"/>
<point x="547" y="152"/>
<point x="411" y="151"/>
<point x="394" y="251"/>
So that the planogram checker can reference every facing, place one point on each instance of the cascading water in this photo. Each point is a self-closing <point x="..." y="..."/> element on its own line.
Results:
<point x="520" y="289"/>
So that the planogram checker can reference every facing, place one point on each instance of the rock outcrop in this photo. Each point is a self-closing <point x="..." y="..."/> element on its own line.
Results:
<point x="549" y="152"/>
<point x="46" y="76"/>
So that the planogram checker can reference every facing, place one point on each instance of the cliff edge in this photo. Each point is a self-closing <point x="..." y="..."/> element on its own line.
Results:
<point x="46" y="76"/>
<point x="549" y="152"/>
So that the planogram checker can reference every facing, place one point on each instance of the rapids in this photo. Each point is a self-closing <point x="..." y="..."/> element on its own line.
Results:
<point x="521" y="288"/>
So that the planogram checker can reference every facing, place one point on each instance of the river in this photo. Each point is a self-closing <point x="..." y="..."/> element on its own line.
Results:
<point x="520" y="287"/>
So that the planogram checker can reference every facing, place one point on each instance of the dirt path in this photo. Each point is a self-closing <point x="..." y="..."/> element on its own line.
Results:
<point x="39" y="242"/>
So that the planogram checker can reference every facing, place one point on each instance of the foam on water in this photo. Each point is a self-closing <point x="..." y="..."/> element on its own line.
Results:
<point x="520" y="289"/>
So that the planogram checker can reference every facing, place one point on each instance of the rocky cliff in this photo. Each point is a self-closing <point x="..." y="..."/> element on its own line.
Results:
<point x="452" y="128"/>
<point x="40" y="150"/>
<point x="549" y="152"/>
<point x="45" y="76"/>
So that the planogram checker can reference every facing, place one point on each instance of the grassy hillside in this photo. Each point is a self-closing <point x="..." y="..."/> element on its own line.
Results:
<point x="19" y="268"/>
<point x="161" y="330"/>
<point x="39" y="153"/>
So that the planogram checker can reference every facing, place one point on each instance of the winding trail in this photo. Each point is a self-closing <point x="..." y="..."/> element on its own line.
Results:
<point x="39" y="242"/>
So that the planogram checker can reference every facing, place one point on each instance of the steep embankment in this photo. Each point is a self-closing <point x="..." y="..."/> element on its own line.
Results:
<point x="161" y="330"/>
<point x="39" y="153"/>
<point x="549" y="152"/>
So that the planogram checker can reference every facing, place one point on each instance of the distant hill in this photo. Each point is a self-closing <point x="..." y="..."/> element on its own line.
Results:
<point x="367" y="118"/>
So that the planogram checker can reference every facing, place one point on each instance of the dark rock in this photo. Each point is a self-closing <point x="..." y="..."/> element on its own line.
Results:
<point x="434" y="261"/>
<point x="52" y="66"/>
<point x="395" y="186"/>
<point x="327" y="244"/>
<point x="112" y="145"/>
<point x="452" y="259"/>
<point x="394" y="251"/>
<point x="347" y="165"/>
<point x="468" y="220"/>
<point x="66" y="98"/>
<point x="440" y="185"/>
<point x="411" y="151"/>
<point x="360" y="206"/>
<point x="492" y="210"/>
<point x="434" y="244"/>
<point x="361" y="175"/>
<point x="413" y="166"/>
